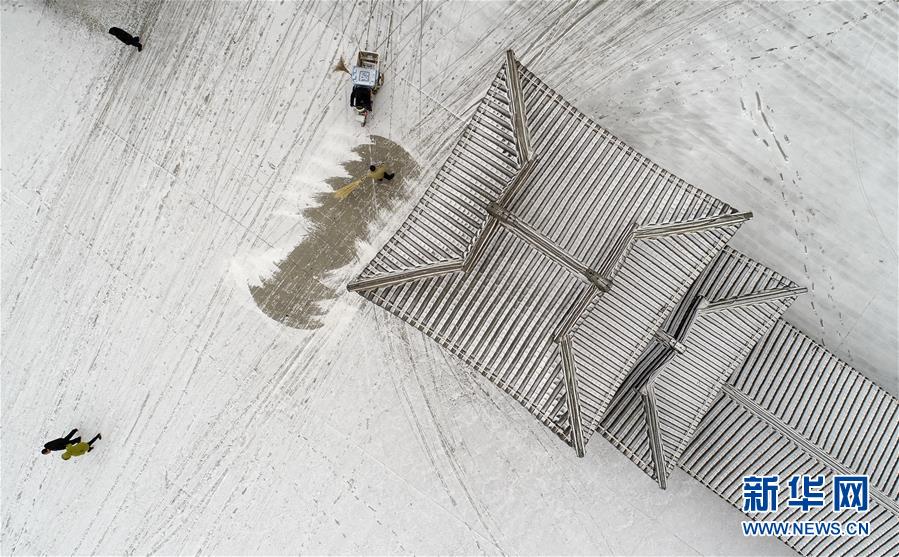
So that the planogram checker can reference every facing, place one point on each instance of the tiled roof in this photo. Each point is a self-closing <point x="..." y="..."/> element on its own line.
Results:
<point x="545" y="236"/>
<point x="795" y="409"/>
<point x="705" y="340"/>
<point x="596" y="289"/>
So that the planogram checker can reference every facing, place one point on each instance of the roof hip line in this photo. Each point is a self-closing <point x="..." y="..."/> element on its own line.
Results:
<point x="541" y="243"/>
<point x="572" y="397"/>
<point x="651" y="414"/>
<point x="623" y="245"/>
<point x="578" y="307"/>
<point x="490" y="225"/>
<point x="754" y="298"/>
<point x="519" y="120"/>
<point x="688" y="226"/>
<point x="390" y="279"/>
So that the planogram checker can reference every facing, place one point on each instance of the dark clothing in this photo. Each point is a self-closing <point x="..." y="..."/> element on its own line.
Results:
<point x="361" y="97"/>
<point x="380" y="173"/>
<point x="126" y="37"/>
<point x="60" y="444"/>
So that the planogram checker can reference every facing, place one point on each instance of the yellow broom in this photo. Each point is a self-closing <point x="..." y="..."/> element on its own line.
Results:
<point x="340" y="66"/>
<point x="346" y="190"/>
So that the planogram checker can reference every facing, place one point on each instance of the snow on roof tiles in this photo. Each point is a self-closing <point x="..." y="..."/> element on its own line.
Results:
<point x="727" y="310"/>
<point x="795" y="409"/>
<point x="596" y="289"/>
<point x="547" y="253"/>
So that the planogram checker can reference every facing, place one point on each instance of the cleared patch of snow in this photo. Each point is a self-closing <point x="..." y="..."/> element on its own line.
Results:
<point x="253" y="265"/>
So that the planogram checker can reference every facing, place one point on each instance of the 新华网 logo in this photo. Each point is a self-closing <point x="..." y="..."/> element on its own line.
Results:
<point x="761" y="494"/>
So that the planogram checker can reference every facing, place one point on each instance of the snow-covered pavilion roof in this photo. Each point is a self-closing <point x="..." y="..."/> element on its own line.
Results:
<point x="729" y="308"/>
<point x="547" y="253"/>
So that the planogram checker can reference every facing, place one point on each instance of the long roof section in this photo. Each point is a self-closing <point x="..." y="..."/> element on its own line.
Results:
<point x="796" y="409"/>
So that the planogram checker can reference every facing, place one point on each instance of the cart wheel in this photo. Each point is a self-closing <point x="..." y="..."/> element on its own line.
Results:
<point x="378" y="84"/>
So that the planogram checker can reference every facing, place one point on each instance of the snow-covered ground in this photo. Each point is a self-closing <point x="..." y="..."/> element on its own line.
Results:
<point x="144" y="194"/>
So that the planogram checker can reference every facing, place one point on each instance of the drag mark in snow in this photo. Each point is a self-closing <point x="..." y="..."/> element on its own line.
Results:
<point x="861" y="189"/>
<point x="781" y="149"/>
<point x="295" y="293"/>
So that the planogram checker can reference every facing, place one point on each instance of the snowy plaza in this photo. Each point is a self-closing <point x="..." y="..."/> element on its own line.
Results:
<point x="586" y="267"/>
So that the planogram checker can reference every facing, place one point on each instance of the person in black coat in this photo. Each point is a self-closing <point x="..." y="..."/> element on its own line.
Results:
<point x="126" y="37"/>
<point x="360" y="97"/>
<point x="61" y="443"/>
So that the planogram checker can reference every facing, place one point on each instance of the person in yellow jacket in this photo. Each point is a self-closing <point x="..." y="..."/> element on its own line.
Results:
<point x="78" y="449"/>
<point x="376" y="173"/>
